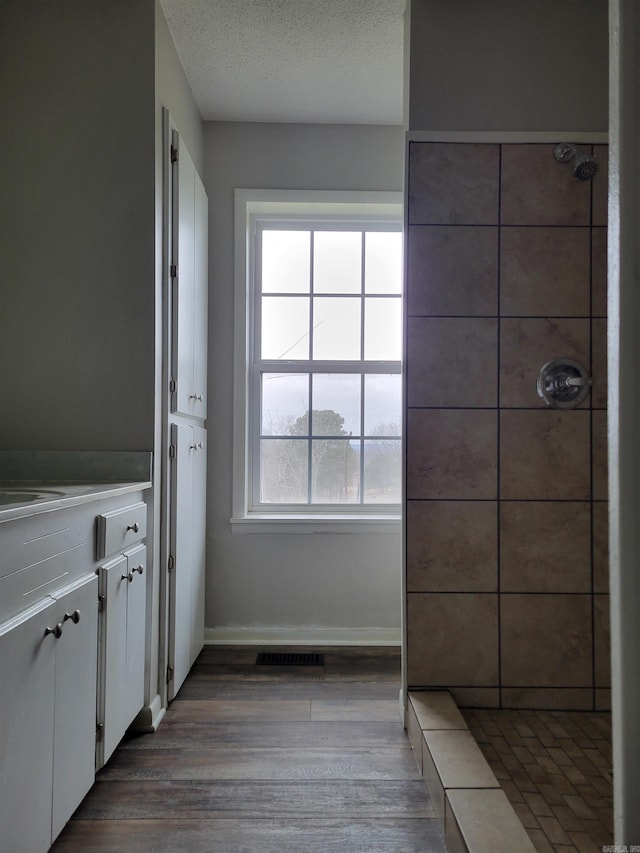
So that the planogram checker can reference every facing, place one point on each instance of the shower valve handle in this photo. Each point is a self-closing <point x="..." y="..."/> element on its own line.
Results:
<point x="563" y="383"/>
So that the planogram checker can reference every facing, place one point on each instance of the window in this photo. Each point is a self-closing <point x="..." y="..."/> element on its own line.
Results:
<point x="322" y="395"/>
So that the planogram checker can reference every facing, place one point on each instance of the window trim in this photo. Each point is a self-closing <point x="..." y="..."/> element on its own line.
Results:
<point x="250" y="203"/>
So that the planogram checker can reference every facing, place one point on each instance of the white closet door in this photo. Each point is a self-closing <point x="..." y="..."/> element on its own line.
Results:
<point x="199" y="535"/>
<point x="189" y="286"/>
<point x="182" y="437"/>
<point x="183" y="315"/>
<point x="201" y="284"/>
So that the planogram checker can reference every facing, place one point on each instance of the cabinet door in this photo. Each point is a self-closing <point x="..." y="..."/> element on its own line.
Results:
<point x="182" y="437"/>
<point x="75" y="699"/>
<point x="189" y="286"/>
<point x="183" y="229"/>
<point x="112" y="709"/>
<point x="198" y="537"/>
<point x="27" y="672"/>
<point x="136" y="618"/>
<point x="201" y="287"/>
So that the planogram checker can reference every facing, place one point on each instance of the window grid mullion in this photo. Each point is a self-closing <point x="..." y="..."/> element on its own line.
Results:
<point x="312" y="280"/>
<point x="361" y="439"/>
<point x="362" y="302"/>
<point x="363" y="272"/>
<point x="310" y="443"/>
<point x="255" y="354"/>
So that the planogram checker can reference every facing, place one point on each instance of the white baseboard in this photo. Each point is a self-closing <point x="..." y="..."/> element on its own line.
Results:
<point x="150" y="716"/>
<point x="313" y="635"/>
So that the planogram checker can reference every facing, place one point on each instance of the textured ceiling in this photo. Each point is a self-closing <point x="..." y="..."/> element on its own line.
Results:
<point x="292" y="60"/>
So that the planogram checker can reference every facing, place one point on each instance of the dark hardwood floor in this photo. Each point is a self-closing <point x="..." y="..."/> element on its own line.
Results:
<point x="266" y="758"/>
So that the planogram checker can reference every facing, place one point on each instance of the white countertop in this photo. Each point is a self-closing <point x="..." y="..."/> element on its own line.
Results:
<point x="33" y="497"/>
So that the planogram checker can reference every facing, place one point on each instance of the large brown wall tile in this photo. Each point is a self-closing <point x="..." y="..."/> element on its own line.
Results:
<point x="537" y="190"/>
<point x="546" y="640"/>
<point x="544" y="455"/>
<point x="453" y="183"/>
<point x="452" y="361"/>
<point x="452" y="270"/>
<point x="476" y="697"/>
<point x="599" y="272"/>
<point x="600" y="546"/>
<point x="545" y="546"/>
<point x="453" y="639"/>
<point x="452" y="453"/>
<point x="602" y="641"/>
<point x="567" y="698"/>
<point x="526" y="344"/>
<point x="452" y="546"/>
<point x="600" y="456"/>
<point x="601" y="185"/>
<point x="544" y="272"/>
<point x="599" y="363"/>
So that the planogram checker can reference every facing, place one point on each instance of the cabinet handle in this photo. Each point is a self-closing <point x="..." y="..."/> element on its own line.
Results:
<point x="197" y="446"/>
<point x="57" y="631"/>
<point x="139" y="569"/>
<point x="196" y="397"/>
<point x="127" y="577"/>
<point x="75" y="617"/>
<point x="135" y="527"/>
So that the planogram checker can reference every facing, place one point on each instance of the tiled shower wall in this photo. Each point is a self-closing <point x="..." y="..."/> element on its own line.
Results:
<point x="506" y="513"/>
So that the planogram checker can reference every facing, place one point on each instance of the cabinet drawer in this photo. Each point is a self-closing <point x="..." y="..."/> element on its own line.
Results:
<point x="32" y="540"/>
<point x="121" y="528"/>
<point x="27" y="586"/>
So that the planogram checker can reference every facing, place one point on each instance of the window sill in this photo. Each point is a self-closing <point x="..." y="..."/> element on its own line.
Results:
<point x="309" y="523"/>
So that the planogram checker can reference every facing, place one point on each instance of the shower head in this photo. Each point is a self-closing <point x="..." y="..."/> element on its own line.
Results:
<point x="585" y="165"/>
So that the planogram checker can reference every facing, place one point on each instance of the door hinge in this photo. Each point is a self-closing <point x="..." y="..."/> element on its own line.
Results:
<point x="173" y="270"/>
<point x="172" y="451"/>
<point x="174" y="154"/>
<point x="169" y="674"/>
<point x="101" y="600"/>
<point x="172" y="385"/>
<point x="172" y="562"/>
<point x="99" y="732"/>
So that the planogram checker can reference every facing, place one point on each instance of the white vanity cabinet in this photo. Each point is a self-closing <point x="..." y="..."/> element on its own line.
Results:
<point x="123" y="580"/>
<point x="52" y="670"/>
<point x="48" y="657"/>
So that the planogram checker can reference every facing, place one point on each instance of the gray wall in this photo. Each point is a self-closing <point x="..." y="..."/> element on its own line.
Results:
<point x="76" y="217"/>
<point x="82" y="84"/>
<point x="508" y="65"/>
<point x="332" y="581"/>
<point x="173" y="92"/>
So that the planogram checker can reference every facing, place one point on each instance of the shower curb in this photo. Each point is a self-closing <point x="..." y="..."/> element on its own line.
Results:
<point x="474" y="811"/>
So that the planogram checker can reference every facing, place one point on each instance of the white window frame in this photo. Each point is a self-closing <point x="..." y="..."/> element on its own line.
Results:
<point x="250" y="204"/>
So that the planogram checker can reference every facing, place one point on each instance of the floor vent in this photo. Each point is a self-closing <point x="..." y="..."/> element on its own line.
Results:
<point x="290" y="659"/>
